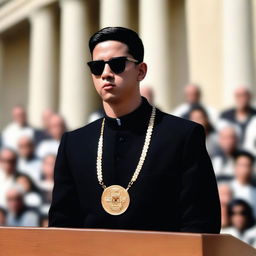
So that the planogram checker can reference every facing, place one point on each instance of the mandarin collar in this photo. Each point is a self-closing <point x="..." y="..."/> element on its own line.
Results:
<point x="137" y="120"/>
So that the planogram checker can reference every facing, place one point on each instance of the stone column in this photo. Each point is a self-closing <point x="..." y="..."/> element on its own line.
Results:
<point x="43" y="70"/>
<point x="237" y="47"/>
<point x="76" y="90"/>
<point x="155" y="33"/>
<point x="1" y="81"/>
<point x="114" y="13"/>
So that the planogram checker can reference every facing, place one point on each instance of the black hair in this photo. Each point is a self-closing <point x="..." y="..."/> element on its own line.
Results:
<point x="123" y="35"/>
<point x="244" y="153"/>
<point x="199" y="107"/>
<point x="33" y="187"/>
<point x="247" y="210"/>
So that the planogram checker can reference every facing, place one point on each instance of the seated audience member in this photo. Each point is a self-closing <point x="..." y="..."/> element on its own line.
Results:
<point x="241" y="219"/>
<point x="28" y="162"/>
<point x="2" y="216"/>
<point x="223" y="158"/>
<point x="18" y="214"/>
<point x="18" y="127"/>
<point x="57" y="127"/>
<point x="193" y="95"/>
<point x="250" y="137"/>
<point x="43" y="134"/>
<point x="199" y="115"/>
<point x="242" y="112"/>
<point x="32" y="197"/>
<point x="242" y="186"/>
<point x="226" y="196"/>
<point x="8" y="160"/>
<point x="46" y="184"/>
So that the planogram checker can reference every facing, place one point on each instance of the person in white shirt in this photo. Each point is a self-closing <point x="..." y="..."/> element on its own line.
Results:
<point x="223" y="158"/>
<point x="56" y="129"/>
<point x="18" y="213"/>
<point x="8" y="160"/>
<point x="199" y="115"/>
<point x="241" y="186"/>
<point x="19" y="126"/>
<point x="193" y="96"/>
<point x="242" y="113"/>
<point x="241" y="219"/>
<point x="28" y="163"/>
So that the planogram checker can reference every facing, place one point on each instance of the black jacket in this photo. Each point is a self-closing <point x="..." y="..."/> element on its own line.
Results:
<point x="175" y="191"/>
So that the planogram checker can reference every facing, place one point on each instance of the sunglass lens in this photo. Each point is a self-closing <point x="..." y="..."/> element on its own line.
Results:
<point x="96" y="67"/>
<point x="117" y="65"/>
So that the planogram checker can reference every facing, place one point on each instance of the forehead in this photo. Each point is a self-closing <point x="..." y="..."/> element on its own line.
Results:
<point x="243" y="158"/>
<point x="7" y="153"/>
<point x="109" y="49"/>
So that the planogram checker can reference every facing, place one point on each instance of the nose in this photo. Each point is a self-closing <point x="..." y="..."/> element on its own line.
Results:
<point x="107" y="73"/>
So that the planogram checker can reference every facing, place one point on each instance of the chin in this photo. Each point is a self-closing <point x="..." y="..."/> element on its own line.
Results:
<point x="110" y="98"/>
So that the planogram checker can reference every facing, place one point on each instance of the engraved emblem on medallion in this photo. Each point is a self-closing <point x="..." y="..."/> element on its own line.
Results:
<point x="115" y="200"/>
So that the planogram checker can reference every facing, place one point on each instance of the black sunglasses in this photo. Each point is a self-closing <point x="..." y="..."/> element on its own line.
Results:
<point x="116" y="64"/>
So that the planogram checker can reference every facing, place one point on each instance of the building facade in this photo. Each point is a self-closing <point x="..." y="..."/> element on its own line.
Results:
<point x="44" y="50"/>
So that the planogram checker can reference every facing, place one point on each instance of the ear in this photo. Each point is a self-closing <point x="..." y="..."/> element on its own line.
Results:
<point x="142" y="68"/>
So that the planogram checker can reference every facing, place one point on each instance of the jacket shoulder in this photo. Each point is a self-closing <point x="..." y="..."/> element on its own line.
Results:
<point x="86" y="130"/>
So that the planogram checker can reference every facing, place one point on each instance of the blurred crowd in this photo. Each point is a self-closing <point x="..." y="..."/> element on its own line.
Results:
<point x="27" y="158"/>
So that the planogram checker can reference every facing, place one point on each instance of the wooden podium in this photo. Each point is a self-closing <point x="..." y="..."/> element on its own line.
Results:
<point x="93" y="242"/>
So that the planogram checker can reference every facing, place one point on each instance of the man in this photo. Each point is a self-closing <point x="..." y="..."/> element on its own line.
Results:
<point x="242" y="185"/>
<point x="28" y="163"/>
<point x="242" y="113"/>
<point x="18" y="214"/>
<point x="8" y="162"/>
<point x="223" y="158"/>
<point x="137" y="168"/>
<point x="43" y="134"/>
<point x="18" y="127"/>
<point x="56" y="127"/>
<point x="193" y="97"/>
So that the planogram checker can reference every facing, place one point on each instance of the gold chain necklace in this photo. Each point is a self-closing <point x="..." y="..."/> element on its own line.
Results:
<point x="115" y="199"/>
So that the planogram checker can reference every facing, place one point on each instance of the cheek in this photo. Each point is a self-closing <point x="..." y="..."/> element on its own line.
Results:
<point x="96" y="83"/>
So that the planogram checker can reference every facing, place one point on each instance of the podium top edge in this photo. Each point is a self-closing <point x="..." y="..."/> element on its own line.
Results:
<point x="113" y="231"/>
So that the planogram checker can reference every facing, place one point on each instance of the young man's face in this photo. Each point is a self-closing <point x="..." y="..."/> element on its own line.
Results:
<point x="111" y="87"/>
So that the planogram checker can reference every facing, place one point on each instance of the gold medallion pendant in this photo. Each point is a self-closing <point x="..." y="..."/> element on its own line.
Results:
<point x="115" y="200"/>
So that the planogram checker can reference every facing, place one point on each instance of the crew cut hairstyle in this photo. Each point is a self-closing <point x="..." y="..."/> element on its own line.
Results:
<point x="124" y="35"/>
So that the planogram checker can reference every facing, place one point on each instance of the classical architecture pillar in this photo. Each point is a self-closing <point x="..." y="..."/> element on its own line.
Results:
<point x="76" y="90"/>
<point x="155" y="32"/>
<point x="43" y="67"/>
<point x="114" y="13"/>
<point x="1" y="80"/>
<point x="237" y="46"/>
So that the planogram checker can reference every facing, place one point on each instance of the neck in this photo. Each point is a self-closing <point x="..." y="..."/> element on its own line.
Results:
<point x="243" y="110"/>
<point x="122" y="108"/>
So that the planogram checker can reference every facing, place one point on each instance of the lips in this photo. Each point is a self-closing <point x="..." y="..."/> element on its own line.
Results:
<point x="108" y="86"/>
